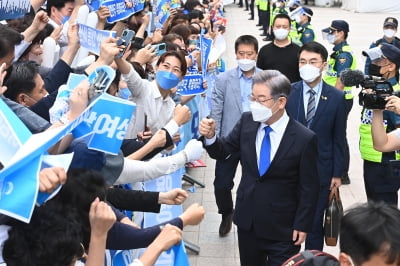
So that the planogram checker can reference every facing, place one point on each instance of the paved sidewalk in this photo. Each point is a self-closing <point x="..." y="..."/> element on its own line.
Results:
<point x="364" y="28"/>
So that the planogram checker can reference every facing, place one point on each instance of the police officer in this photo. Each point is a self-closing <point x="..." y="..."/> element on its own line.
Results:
<point x="389" y="31"/>
<point x="304" y="32"/>
<point x="341" y="59"/>
<point x="379" y="183"/>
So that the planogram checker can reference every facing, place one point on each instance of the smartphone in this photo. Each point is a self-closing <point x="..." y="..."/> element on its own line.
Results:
<point x="160" y="48"/>
<point x="145" y="122"/>
<point x="125" y="39"/>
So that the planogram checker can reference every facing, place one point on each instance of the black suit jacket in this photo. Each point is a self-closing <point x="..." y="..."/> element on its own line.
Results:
<point x="329" y="124"/>
<point x="285" y="197"/>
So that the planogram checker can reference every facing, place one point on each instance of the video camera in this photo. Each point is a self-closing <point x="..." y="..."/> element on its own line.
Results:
<point x="374" y="89"/>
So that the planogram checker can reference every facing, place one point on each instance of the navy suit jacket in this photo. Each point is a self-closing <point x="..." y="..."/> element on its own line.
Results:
<point x="329" y="124"/>
<point x="285" y="197"/>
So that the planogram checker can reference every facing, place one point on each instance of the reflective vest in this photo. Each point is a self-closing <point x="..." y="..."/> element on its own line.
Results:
<point x="366" y="143"/>
<point x="294" y="34"/>
<point x="263" y="5"/>
<point x="330" y="76"/>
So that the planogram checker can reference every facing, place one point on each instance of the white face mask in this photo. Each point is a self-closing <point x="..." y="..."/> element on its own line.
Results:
<point x="246" y="64"/>
<point x="309" y="73"/>
<point x="389" y="33"/>
<point x="260" y="112"/>
<point x="297" y="19"/>
<point x="281" y="34"/>
<point x="331" y="38"/>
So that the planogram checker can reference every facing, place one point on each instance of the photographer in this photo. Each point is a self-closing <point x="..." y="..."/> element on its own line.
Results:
<point x="377" y="151"/>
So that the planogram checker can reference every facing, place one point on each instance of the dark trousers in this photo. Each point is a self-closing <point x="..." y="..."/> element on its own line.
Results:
<point x="256" y="251"/>
<point x="265" y="17"/>
<point x="315" y="239"/>
<point x="379" y="184"/>
<point x="259" y="15"/>
<point x="247" y="3"/>
<point x="252" y="8"/>
<point x="348" y="105"/>
<point x="223" y="183"/>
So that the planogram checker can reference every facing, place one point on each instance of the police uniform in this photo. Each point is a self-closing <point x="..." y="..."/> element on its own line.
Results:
<point x="380" y="184"/>
<point x="371" y="69"/>
<point x="342" y="58"/>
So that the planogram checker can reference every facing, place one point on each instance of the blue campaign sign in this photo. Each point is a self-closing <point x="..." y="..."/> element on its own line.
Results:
<point x="91" y="38"/>
<point x="167" y="212"/>
<point x="205" y="48"/>
<point x="105" y="127"/>
<point x="191" y="84"/>
<point x="14" y="9"/>
<point x="118" y="10"/>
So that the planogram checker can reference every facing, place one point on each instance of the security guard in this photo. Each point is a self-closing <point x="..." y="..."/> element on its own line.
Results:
<point x="342" y="58"/>
<point x="294" y="7"/>
<point x="379" y="183"/>
<point x="389" y="31"/>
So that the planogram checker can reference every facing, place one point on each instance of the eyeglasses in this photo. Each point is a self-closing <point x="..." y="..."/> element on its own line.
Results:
<point x="311" y="62"/>
<point x="261" y="100"/>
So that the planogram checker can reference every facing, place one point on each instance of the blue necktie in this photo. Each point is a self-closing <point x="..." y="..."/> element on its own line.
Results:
<point x="265" y="152"/>
<point x="310" y="107"/>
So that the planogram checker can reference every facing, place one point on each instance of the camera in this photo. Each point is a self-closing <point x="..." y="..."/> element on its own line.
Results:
<point x="374" y="89"/>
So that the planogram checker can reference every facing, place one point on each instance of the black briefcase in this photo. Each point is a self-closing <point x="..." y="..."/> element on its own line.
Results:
<point x="333" y="215"/>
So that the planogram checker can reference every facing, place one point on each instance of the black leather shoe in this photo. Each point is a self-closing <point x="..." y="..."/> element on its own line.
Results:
<point x="266" y="39"/>
<point x="346" y="180"/>
<point x="258" y="25"/>
<point x="240" y="5"/>
<point x="261" y="29"/>
<point x="263" y="34"/>
<point x="246" y="9"/>
<point x="226" y="225"/>
<point x="251" y="18"/>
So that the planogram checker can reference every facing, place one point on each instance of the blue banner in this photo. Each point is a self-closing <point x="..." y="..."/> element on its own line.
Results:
<point x="191" y="84"/>
<point x="14" y="9"/>
<point x="167" y="212"/>
<point x="120" y="11"/>
<point x="91" y="38"/>
<point x="205" y="48"/>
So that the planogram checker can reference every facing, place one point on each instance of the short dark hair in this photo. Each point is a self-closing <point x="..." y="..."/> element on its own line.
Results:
<point x="21" y="79"/>
<point x="176" y="54"/>
<point x="56" y="3"/>
<point x="315" y="47"/>
<point x="370" y="229"/>
<point x="52" y="237"/>
<point x="278" y="83"/>
<point x="284" y="16"/>
<point x="8" y="39"/>
<point x="246" y="39"/>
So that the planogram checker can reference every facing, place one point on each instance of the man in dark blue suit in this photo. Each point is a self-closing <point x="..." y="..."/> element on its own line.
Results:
<point x="320" y="107"/>
<point x="278" y="191"/>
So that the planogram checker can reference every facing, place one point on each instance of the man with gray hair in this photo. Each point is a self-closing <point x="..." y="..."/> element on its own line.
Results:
<point x="278" y="191"/>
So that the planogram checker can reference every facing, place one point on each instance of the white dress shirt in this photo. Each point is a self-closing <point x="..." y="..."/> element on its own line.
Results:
<point x="149" y="101"/>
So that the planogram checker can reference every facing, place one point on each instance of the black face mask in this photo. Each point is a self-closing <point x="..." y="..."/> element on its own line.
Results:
<point x="374" y="70"/>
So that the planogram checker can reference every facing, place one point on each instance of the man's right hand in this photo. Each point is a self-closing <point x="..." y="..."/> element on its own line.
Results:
<point x="207" y="128"/>
<point x="182" y="114"/>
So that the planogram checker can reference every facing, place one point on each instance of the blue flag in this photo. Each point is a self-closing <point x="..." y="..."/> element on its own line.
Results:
<point x="205" y="48"/>
<point x="14" y="9"/>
